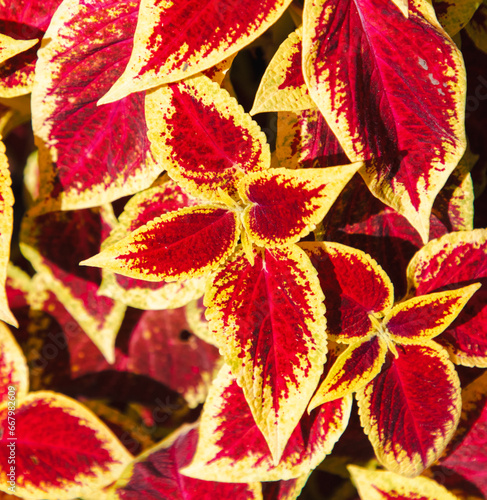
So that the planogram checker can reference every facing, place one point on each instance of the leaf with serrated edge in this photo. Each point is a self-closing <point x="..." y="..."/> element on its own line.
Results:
<point x="354" y="286"/>
<point x="282" y="87"/>
<point x="412" y="140"/>
<point x="268" y="319"/>
<point x="179" y="39"/>
<point x="10" y="47"/>
<point x="383" y="485"/>
<point x="225" y="142"/>
<point x="411" y="409"/>
<point x="452" y="261"/>
<point x="156" y="251"/>
<point x="353" y="369"/>
<point x="231" y="446"/>
<point x="63" y="451"/>
<point x="6" y="228"/>
<point x="13" y="367"/>
<point x="285" y="205"/>
<point x="426" y="316"/>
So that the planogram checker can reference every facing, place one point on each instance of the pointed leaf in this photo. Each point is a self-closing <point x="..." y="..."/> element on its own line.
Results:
<point x="13" y="367"/>
<point x="139" y="210"/>
<point x="10" y="47"/>
<point x="426" y="316"/>
<point x="177" y="40"/>
<point x="401" y="109"/>
<point x="62" y="450"/>
<point x="382" y="485"/>
<point x="353" y="369"/>
<point x="89" y="155"/>
<point x="225" y="142"/>
<point x="159" y="250"/>
<point x="285" y="205"/>
<point x="231" y="445"/>
<point x="6" y="228"/>
<point x="268" y="320"/>
<point x="411" y="409"/>
<point x="354" y="286"/>
<point x="282" y="87"/>
<point x="455" y="260"/>
<point x="156" y="474"/>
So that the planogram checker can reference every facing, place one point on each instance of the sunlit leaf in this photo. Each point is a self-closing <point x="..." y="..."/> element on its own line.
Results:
<point x="411" y="409"/>
<point x="10" y="47"/>
<point x="401" y="109"/>
<point x="62" y="449"/>
<point x="268" y="320"/>
<point x="179" y="39"/>
<point x="230" y="444"/>
<point x="285" y="205"/>
<point x="203" y="138"/>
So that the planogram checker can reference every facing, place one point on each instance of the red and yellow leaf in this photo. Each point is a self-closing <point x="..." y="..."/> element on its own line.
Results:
<point x="284" y="490"/>
<point x="452" y="261"/>
<point x="383" y="485"/>
<point x="268" y="320"/>
<point x="353" y="369"/>
<point x="283" y="206"/>
<point x="62" y="450"/>
<point x="10" y="47"/>
<point x="158" y="250"/>
<point x="89" y="154"/>
<point x="179" y="39"/>
<point x="282" y="87"/>
<point x="426" y="316"/>
<point x="13" y="367"/>
<point x="6" y="228"/>
<point x="231" y="445"/>
<point x="225" y="143"/>
<point x="403" y="110"/>
<point x="411" y="409"/>
<point x="156" y="474"/>
<point x="139" y="210"/>
<point x="354" y="286"/>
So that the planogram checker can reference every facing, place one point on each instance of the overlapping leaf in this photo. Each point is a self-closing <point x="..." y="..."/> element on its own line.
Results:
<point x="13" y="367"/>
<point x="268" y="320"/>
<point x="62" y="450"/>
<point x="203" y="138"/>
<point x="55" y="243"/>
<point x="156" y="474"/>
<point x="454" y="15"/>
<point x="452" y="261"/>
<point x="477" y="27"/>
<point x="89" y="155"/>
<point x="284" y="490"/>
<point x="140" y="209"/>
<point x="10" y="47"/>
<point x="231" y="444"/>
<point x="406" y="118"/>
<point x="382" y="485"/>
<point x="6" y="228"/>
<point x="178" y="40"/>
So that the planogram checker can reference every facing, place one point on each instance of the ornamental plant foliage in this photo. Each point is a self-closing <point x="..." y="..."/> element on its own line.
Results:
<point x="201" y="308"/>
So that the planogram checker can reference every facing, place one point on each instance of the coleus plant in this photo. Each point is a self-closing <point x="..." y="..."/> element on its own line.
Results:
<point x="198" y="310"/>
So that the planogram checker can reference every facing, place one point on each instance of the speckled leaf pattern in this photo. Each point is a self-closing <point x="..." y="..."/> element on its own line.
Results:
<point x="282" y="87"/>
<point x="10" y="47"/>
<point x="230" y="444"/>
<point x="383" y="485"/>
<point x="283" y="206"/>
<point x="158" y="250"/>
<point x="143" y="207"/>
<point x="405" y="117"/>
<point x="6" y="228"/>
<point x="181" y="38"/>
<point x="268" y="320"/>
<point x="13" y="367"/>
<point x="406" y="438"/>
<point x="225" y="142"/>
<point x="89" y="154"/>
<point x="156" y="474"/>
<point x="62" y="450"/>
<point x="452" y="261"/>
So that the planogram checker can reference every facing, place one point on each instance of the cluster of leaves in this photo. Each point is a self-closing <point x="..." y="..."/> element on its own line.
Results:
<point x="193" y="306"/>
